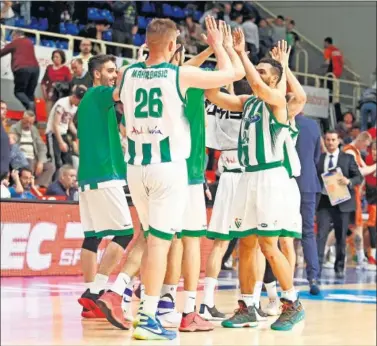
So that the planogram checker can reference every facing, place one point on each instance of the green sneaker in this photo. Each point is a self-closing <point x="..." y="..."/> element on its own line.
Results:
<point x="292" y="313"/>
<point x="243" y="317"/>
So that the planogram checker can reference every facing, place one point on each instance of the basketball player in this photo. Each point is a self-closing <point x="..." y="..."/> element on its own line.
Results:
<point x="103" y="206"/>
<point x="158" y="145"/>
<point x="361" y="143"/>
<point x="261" y="210"/>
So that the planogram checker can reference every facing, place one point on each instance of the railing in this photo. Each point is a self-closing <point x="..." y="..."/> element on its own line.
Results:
<point x="308" y="41"/>
<point x="347" y="99"/>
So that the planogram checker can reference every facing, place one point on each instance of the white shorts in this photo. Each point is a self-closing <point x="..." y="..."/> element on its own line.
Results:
<point x="294" y="223"/>
<point x="104" y="211"/>
<point x="264" y="205"/>
<point x="195" y="217"/>
<point x="221" y="218"/>
<point x="158" y="191"/>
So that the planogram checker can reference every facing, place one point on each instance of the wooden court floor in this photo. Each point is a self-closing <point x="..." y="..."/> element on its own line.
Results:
<point x="44" y="311"/>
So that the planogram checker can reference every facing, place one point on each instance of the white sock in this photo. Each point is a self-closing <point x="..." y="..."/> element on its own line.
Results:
<point x="248" y="299"/>
<point x="149" y="305"/>
<point x="190" y="301"/>
<point x="142" y="292"/>
<point x="169" y="289"/>
<point x="373" y="253"/>
<point x="257" y="292"/>
<point x="272" y="292"/>
<point x="360" y="256"/>
<point x="120" y="283"/>
<point x="127" y="299"/>
<point x="290" y="295"/>
<point x="209" y="291"/>
<point x="99" y="283"/>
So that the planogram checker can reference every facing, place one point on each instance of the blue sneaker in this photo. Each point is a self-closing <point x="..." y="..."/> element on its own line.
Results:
<point x="149" y="328"/>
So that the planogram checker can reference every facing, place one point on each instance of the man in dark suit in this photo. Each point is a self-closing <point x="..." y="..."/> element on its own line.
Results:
<point x="309" y="150"/>
<point x="339" y="214"/>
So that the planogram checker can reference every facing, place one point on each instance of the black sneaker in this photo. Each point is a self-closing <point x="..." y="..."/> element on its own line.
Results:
<point x="261" y="315"/>
<point x="291" y="314"/>
<point x="244" y="316"/>
<point x="88" y="299"/>
<point x="211" y="314"/>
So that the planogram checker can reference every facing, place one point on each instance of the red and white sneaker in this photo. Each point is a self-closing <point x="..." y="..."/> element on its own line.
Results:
<point x="192" y="322"/>
<point x="90" y="308"/>
<point x="110" y="304"/>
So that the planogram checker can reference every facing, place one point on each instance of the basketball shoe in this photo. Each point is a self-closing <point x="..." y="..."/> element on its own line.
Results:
<point x="149" y="328"/>
<point x="193" y="322"/>
<point x="211" y="314"/>
<point x="272" y="308"/>
<point x="167" y="313"/>
<point x="244" y="316"/>
<point x="88" y="302"/>
<point x="126" y="305"/>
<point x="291" y="314"/>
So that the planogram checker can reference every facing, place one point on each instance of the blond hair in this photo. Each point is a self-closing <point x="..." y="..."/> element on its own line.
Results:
<point x="160" y="30"/>
<point x="364" y="137"/>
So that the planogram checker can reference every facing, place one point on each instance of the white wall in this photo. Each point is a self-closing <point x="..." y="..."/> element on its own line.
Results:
<point x="351" y="24"/>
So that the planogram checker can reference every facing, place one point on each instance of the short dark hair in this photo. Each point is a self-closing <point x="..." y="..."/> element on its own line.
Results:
<point x="280" y="17"/>
<point x="242" y="87"/>
<point x="292" y="22"/>
<point x="61" y="53"/>
<point x="328" y="40"/>
<point x="24" y="169"/>
<point x="352" y="115"/>
<point x="332" y="132"/>
<point x="235" y="14"/>
<point x="2" y="101"/>
<point x="276" y="66"/>
<point x="96" y="62"/>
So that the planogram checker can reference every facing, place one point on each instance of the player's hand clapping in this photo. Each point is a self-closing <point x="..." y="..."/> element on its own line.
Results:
<point x="281" y="53"/>
<point x="214" y="33"/>
<point x="238" y="40"/>
<point x="141" y="57"/>
<point x="227" y="36"/>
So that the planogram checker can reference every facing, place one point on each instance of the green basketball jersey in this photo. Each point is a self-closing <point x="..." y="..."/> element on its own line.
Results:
<point x="288" y="159"/>
<point x="195" y="113"/>
<point x="101" y="156"/>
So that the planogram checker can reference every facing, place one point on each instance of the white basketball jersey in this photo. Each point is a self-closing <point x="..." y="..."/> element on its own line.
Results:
<point x="157" y="130"/>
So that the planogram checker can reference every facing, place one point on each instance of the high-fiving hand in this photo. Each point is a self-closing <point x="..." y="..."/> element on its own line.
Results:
<point x="227" y="33"/>
<point x="141" y="57"/>
<point x="281" y="52"/>
<point x="214" y="33"/>
<point x="238" y="40"/>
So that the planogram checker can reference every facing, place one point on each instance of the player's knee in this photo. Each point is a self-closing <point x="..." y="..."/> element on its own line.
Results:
<point x="250" y="242"/>
<point x="123" y="240"/>
<point x="220" y="245"/>
<point x="286" y="244"/>
<point x="268" y="247"/>
<point x="91" y="244"/>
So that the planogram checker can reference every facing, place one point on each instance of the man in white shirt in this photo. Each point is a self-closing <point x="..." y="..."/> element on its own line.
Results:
<point x="60" y="120"/>
<point x="340" y="213"/>
<point x="85" y="52"/>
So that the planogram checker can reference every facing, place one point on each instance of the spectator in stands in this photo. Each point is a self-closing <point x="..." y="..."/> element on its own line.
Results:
<point x="3" y="113"/>
<point x="292" y="39"/>
<point x="4" y="183"/>
<point x="338" y="214"/>
<point x="344" y="127"/>
<point x="23" y="185"/>
<point x="192" y="35"/>
<point x="368" y="108"/>
<point x="95" y="31"/>
<point x="57" y="72"/>
<point x="236" y="20"/>
<point x="227" y="9"/>
<point x="59" y="121"/>
<point x="279" y="30"/>
<point x="24" y="66"/>
<point x="238" y="6"/>
<point x="65" y="185"/>
<point x="17" y="157"/>
<point x="85" y="52"/>
<point x="125" y="24"/>
<point x="34" y="149"/>
<point x="7" y="14"/>
<point x="250" y="30"/>
<point x="80" y="75"/>
<point x="249" y="9"/>
<point x="214" y="12"/>
<point x="265" y="39"/>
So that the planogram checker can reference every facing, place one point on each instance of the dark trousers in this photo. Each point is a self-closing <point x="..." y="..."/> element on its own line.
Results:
<point x="308" y="241"/>
<point x="25" y="83"/>
<point x="325" y="214"/>
<point x="58" y="158"/>
<point x="229" y="251"/>
<point x="122" y="37"/>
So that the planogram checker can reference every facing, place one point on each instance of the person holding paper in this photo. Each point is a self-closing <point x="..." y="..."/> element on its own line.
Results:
<point x="339" y="214"/>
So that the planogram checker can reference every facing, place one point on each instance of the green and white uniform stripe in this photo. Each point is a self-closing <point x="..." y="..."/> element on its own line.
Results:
<point x="291" y="161"/>
<point x="157" y="129"/>
<point x="261" y="138"/>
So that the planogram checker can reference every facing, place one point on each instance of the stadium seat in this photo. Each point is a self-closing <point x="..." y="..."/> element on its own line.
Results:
<point x="33" y="39"/>
<point x="148" y="7"/>
<point x="106" y="15"/>
<point x="19" y="22"/>
<point x="34" y="23"/>
<point x="43" y="24"/>
<point x="93" y="14"/>
<point x="61" y="44"/>
<point x="48" y="43"/>
<point x="62" y="28"/>
<point x="72" y="29"/>
<point x="141" y="22"/>
<point x="40" y="110"/>
<point x="107" y="35"/>
<point x="178" y="13"/>
<point x="167" y="10"/>
<point x="198" y="15"/>
<point x="138" y="39"/>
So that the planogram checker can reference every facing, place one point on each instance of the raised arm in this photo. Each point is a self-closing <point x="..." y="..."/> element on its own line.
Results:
<point x="231" y="103"/>
<point x="194" y="77"/>
<point x="116" y="93"/>
<point x="199" y="59"/>
<point x="271" y="96"/>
